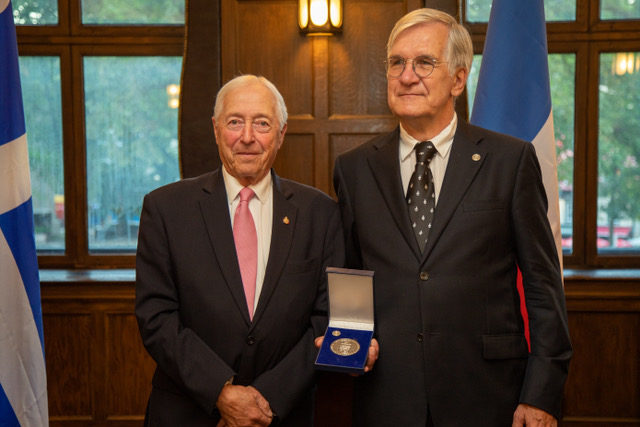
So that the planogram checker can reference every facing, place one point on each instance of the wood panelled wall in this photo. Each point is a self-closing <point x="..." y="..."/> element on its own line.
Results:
<point x="334" y="87"/>
<point x="603" y="388"/>
<point x="98" y="372"/>
<point x="100" y="375"/>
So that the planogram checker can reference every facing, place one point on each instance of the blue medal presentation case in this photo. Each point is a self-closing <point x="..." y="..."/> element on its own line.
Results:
<point x="351" y="321"/>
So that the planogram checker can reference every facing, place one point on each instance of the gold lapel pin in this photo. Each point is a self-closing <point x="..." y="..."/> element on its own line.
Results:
<point x="476" y="157"/>
<point x="285" y="220"/>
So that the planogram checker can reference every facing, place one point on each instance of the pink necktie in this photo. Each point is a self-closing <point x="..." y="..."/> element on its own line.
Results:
<point x="244" y="234"/>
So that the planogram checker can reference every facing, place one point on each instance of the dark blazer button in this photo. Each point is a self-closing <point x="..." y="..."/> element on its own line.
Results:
<point x="424" y="276"/>
<point x="420" y="337"/>
<point x="251" y="340"/>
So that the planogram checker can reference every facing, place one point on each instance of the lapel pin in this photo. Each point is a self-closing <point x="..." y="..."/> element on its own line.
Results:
<point x="285" y="220"/>
<point x="475" y="157"/>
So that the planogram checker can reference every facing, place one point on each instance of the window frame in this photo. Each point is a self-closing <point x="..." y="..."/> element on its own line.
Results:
<point x="72" y="41"/>
<point x="594" y="258"/>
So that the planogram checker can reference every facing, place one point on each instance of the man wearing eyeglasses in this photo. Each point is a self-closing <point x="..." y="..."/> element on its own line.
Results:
<point x="231" y="282"/>
<point x="445" y="213"/>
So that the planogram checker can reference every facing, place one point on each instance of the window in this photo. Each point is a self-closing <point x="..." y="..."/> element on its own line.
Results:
<point x="100" y="85"/>
<point x="132" y="12"/>
<point x="479" y="10"/>
<point x="40" y="76"/>
<point x="131" y="142"/>
<point x="619" y="10"/>
<point x="619" y="153"/>
<point x="594" y="66"/>
<point x="42" y="12"/>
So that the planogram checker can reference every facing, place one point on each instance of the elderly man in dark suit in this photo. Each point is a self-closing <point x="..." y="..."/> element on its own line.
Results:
<point x="445" y="213"/>
<point x="231" y="283"/>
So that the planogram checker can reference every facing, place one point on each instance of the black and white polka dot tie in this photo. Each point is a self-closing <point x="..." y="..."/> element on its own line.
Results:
<point x="421" y="197"/>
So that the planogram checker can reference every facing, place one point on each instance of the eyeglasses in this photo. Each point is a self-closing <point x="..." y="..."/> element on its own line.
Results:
<point x="260" y="126"/>
<point x="423" y="66"/>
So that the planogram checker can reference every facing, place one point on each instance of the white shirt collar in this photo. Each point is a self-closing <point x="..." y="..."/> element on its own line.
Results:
<point x="233" y="187"/>
<point x="442" y="141"/>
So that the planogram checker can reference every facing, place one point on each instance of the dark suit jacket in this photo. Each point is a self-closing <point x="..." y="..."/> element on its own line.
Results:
<point x="448" y="321"/>
<point x="192" y="311"/>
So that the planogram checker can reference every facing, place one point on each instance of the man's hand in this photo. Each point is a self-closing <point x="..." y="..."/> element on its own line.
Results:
<point x="374" y="352"/>
<point x="530" y="416"/>
<point x="243" y="407"/>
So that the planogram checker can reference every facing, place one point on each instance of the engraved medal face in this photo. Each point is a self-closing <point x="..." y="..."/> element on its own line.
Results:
<point x="345" y="347"/>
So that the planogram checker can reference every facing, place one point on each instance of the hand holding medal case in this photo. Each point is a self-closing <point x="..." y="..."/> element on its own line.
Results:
<point x="348" y="336"/>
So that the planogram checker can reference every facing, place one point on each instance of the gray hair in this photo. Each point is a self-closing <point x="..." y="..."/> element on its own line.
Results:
<point x="245" y="80"/>
<point x="459" y="48"/>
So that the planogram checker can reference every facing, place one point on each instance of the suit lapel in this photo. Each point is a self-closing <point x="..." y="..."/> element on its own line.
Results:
<point x="466" y="159"/>
<point x="385" y="167"/>
<point x="215" y="213"/>
<point x="284" y="224"/>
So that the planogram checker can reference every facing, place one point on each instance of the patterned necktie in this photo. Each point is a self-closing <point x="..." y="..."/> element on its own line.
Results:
<point x="421" y="197"/>
<point x="246" y="239"/>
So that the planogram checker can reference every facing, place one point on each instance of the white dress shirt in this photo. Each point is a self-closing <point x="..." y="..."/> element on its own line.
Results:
<point x="438" y="165"/>
<point x="261" y="207"/>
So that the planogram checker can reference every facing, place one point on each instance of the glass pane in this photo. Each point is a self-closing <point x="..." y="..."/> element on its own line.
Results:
<point x="478" y="10"/>
<point x="40" y="77"/>
<point x="472" y="80"/>
<point x="562" y="71"/>
<point x="132" y="142"/>
<point x="558" y="10"/>
<point x="562" y="78"/>
<point x="133" y="12"/>
<point x="35" y="12"/>
<point x="619" y="152"/>
<point x="619" y="9"/>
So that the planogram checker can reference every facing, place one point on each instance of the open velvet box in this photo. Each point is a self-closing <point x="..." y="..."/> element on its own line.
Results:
<point x="348" y="336"/>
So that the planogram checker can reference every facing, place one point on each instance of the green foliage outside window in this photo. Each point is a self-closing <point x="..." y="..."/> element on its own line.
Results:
<point x="556" y="10"/>
<point x="98" y="12"/>
<point x="132" y="142"/>
<point x="133" y="12"/>
<point x="619" y="9"/>
<point x="35" y="12"/>
<point x="619" y="154"/>
<point x="40" y="78"/>
<point x="562" y="69"/>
